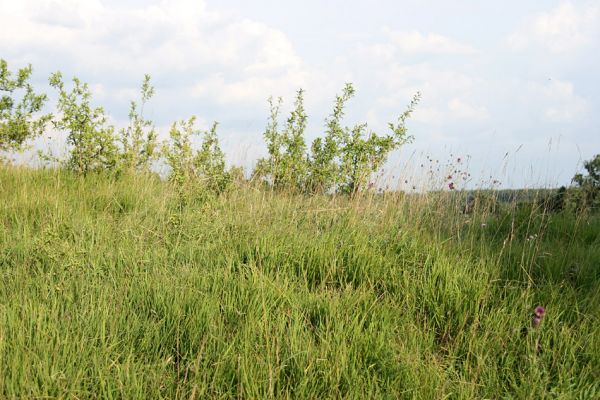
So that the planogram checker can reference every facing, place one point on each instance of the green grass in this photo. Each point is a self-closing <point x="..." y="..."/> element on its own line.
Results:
<point x="113" y="289"/>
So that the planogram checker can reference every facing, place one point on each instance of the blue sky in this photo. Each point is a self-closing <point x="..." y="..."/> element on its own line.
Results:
<point x="510" y="86"/>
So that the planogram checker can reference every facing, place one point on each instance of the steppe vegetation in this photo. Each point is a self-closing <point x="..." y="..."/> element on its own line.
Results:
<point x="298" y="279"/>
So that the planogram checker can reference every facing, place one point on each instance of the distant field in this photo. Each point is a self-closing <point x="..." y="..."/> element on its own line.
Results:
<point x="118" y="289"/>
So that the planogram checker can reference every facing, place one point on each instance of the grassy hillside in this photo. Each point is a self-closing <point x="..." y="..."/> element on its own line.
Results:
<point x="116" y="289"/>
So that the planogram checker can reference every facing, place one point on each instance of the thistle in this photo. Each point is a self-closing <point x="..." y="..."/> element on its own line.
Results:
<point x="538" y="315"/>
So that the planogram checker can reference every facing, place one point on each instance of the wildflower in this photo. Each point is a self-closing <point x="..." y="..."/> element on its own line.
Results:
<point x="539" y="311"/>
<point x="451" y="186"/>
<point x="538" y="315"/>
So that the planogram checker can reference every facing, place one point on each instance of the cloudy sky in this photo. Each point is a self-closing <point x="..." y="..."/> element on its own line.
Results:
<point x="512" y="86"/>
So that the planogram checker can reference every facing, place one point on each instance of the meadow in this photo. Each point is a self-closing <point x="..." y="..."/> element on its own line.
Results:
<point x="116" y="288"/>
<point x="302" y="278"/>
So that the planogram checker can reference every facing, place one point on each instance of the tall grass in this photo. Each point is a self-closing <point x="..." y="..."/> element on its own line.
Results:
<point x="113" y="289"/>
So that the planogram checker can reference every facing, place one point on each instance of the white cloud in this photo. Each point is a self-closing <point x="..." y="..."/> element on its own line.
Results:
<point x="430" y="114"/>
<point x="447" y="94"/>
<point x="180" y="37"/>
<point x="455" y="110"/>
<point x="250" y="89"/>
<point x="431" y="43"/>
<point x="558" y="100"/>
<point x="272" y="68"/>
<point x="565" y="28"/>
<point x="461" y="109"/>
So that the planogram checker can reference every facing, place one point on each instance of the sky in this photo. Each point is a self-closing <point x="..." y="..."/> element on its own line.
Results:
<point x="511" y="88"/>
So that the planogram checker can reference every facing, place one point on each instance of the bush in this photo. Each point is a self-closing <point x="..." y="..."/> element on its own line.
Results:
<point x="343" y="161"/>
<point x="204" y="168"/>
<point x="287" y="164"/>
<point x="139" y="139"/>
<point x="17" y="121"/>
<point x="584" y="195"/>
<point x="588" y="193"/>
<point x="92" y="141"/>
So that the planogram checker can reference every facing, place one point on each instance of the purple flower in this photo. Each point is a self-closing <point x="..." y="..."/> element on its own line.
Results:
<point x="539" y="311"/>
<point x="538" y="315"/>
<point x="451" y="186"/>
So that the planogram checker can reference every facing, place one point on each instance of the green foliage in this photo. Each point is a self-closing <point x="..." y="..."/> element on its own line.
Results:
<point x="342" y="161"/>
<point x="178" y="152"/>
<point x="325" y="172"/>
<point x="589" y="184"/>
<point x="17" y="116"/>
<point x="268" y="168"/>
<point x="139" y="139"/>
<point x="364" y="152"/>
<point x="287" y="164"/>
<point x="583" y="196"/>
<point x="105" y="292"/>
<point x="204" y="168"/>
<point x="92" y="141"/>
<point x="210" y="162"/>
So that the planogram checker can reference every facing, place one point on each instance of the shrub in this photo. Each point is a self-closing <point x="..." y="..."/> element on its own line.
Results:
<point x="342" y="161"/>
<point x="92" y="141"/>
<point x="287" y="164"/>
<point x="139" y="139"/>
<point x="324" y="169"/>
<point x="363" y="152"/>
<point x="17" y="121"/>
<point x="588" y="195"/>
<point x="203" y="168"/>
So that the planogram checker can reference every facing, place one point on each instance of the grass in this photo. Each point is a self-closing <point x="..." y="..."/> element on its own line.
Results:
<point x="114" y="289"/>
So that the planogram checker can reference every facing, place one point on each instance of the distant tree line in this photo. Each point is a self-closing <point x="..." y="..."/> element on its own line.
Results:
<point x="584" y="194"/>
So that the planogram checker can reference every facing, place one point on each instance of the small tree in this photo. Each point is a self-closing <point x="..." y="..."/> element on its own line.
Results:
<point x="209" y="162"/>
<point x="342" y="161"/>
<point x="268" y="168"/>
<point x="364" y="152"/>
<point x="139" y="139"/>
<point x="178" y="151"/>
<point x="204" y="168"/>
<point x="287" y="164"/>
<point x="17" y="122"/>
<point x="589" y="185"/>
<point x="348" y="157"/>
<point x="92" y="141"/>
<point x="324" y="171"/>
<point x="294" y="163"/>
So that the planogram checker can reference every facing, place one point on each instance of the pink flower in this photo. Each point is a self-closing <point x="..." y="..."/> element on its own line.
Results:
<point x="538" y="316"/>
<point x="539" y="311"/>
